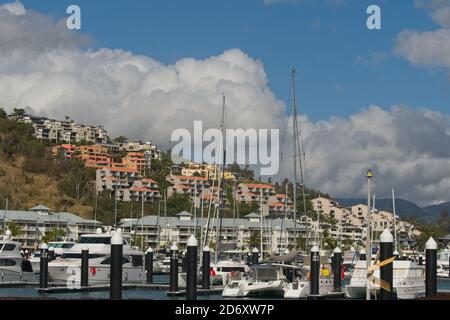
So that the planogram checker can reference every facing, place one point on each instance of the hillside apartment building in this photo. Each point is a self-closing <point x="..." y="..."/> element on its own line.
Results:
<point x="68" y="131"/>
<point x="351" y="221"/>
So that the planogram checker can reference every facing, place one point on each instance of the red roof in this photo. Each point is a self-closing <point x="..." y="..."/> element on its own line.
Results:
<point x="148" y="180"/>
<point x="258" y="185"/>
<point x="190" y="178"/>
<point x="119" y="169"/>
<point x="180" y="186"/>
<point x="143" y="189"/>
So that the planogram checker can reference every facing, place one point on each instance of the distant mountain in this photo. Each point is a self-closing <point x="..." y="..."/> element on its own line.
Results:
<point x="435" y="211"/>
<point x="404" y="208"/>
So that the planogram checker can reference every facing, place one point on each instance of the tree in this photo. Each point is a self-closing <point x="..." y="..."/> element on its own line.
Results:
<point x="255" y="239"/>
<point x="54" y="235"/>
<point x="3" y="114"/>
<point x="178" y="202"/>
<point x="300" y="243"/>
<point x="18" y="112"/>
<point x="120" y="139"/>
<point x="15" y="229"/>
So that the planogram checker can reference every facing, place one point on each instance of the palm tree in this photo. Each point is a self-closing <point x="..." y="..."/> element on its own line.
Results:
<point x="54" y="235"/>
<point x="15" y="229"/>
<point x="18" y="112"/>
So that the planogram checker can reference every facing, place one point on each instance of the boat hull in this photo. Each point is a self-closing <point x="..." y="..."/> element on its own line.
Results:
<point x="70" y="275"/>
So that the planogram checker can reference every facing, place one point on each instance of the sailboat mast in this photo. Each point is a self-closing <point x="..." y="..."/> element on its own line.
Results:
<point x="261" y="222"/>
<point x="369" y="232"/>
<point x="294" y="127"/>
<point x="395" y="224"/>
<point x="298" y="152"/>
<point x="221" y="179"/>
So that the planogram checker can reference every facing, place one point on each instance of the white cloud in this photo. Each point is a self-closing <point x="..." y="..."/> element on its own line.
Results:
<point x="16" y="8"/>
<point x="406" y="148"/>
<point x="44" y="66"/>
<point x="429" y="48"/>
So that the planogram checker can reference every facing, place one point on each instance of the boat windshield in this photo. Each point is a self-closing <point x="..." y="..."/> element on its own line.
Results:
<point x="99" y="240"/>
<point x="61" y="245"/>
<point x="266" y="274"/>
<point x="7" y="247"/>
<point x="78" y="255"/>
<point x="95" y="240"/>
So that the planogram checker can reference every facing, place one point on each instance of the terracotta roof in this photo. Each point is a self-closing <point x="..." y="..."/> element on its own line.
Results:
<point x="180" y="186"/>
<point x="149" y="180"/>
<point x="276" y="204"/>
<point x="190" y="178"/>
<point x="280" y="195"/>
<point x="119" y="169"/>
<point x="140" y="189"/>
<point x="258" y="185"/>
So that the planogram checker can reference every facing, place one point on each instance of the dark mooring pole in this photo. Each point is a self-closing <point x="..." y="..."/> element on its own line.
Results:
<point x="115" y="280"/>
<point x="43" y="272"/>
<point x="84" y="267"/>
<point x="191" y="268"/>
<point x="149" y="264"/>
<point x="206" y="265"/>
<point x="173" y="268"/>
<point x="315" y="270"/>
<point x="430" y="268"/>
<point x="386" y="271"/>
<point x="337" y="259"/>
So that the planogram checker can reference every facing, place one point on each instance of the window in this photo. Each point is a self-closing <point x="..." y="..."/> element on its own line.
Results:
<point x="7" y="262"/>
<point x="78" y="256"/>
<point x="96" y="240"/>
<point x="108" y="260"/>
<point x="8" y="247"/>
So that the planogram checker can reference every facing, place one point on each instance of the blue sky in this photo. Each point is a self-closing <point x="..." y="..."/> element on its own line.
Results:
<point x="342" y="66"/>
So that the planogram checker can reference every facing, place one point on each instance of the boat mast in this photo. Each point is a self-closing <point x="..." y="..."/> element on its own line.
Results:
<point x="369" y="232"/>
<point x="395" y="224"/>
<point x="261" y="222"/>
<point x="142" y="223"/>
<point x="221" y="179"/>
<point x="297" y="153"/>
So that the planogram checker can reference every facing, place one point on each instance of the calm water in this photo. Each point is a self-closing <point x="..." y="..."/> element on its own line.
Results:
<point x="126" y="294"/>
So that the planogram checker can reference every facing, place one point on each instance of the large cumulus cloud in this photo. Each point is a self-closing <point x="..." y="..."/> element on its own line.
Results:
<point x="53" y="71"/>
<point x="408" y="149"/>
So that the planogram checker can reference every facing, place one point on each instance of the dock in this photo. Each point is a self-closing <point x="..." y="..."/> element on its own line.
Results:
<point x="152" y="286"/>
<point x="200" y="292"/>
<point x="327" y="296"/>
<point x="94" y="288"/>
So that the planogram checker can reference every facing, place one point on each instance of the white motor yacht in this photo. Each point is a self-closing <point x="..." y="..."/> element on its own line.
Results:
<point x="408" y="280"/>
<point x="67" y="268"/>
<point x="13" y="266"/>
<point x="267" y="280"/>
<point x="59" y="247"/>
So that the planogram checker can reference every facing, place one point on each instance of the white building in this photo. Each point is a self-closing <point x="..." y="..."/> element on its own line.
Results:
<point x="58" y="131"/>
<point x="36" y="222"/>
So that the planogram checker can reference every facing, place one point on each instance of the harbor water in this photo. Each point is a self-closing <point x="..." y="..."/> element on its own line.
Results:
<point x="32" y="292"/>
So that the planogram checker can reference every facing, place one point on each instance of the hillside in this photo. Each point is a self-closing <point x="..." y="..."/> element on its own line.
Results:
<point x="26" y="190"/>
<point x="435" y="211"/>
<point x="30" y="176"/>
